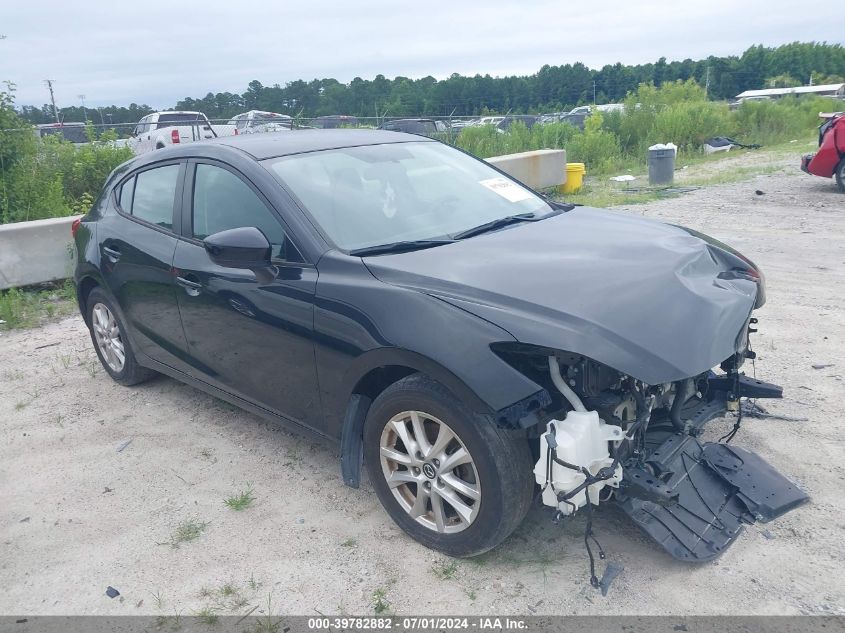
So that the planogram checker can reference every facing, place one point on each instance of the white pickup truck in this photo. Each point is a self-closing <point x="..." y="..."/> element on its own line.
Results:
<point x="160" y="129"/>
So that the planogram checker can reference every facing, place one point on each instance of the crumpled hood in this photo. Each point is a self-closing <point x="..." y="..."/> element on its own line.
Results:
<point x="643" y="297"/>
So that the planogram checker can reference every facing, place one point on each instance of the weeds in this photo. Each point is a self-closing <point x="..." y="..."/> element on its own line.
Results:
<point x="242" y="500"/>
<point x="445" y="570"/>
<point x="207" y="616"/>
<point x="380" y="602"/>
<point x="187" y="531"/>
<point x="350" y="542"/>
<point x="35" y="306"/>
<point x="157" y="599"/>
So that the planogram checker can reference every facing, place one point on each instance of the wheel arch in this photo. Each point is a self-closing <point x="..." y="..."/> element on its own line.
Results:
<point x="83" y="289"/>
<point x="372" y="374"/>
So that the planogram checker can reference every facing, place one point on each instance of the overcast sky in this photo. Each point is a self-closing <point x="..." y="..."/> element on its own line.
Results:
<point x="157" y="52"/>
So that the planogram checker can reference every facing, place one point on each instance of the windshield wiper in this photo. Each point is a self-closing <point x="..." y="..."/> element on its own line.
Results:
<point x="398" y="247"/>
<point x="497" y="224"/>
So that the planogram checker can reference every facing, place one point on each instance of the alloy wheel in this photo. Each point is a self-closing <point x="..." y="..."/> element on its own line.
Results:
<point x="107" y="334"/>
<point x="430" y="472"/>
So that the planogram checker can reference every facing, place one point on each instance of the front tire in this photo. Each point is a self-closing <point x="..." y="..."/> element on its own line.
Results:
<point x="450" y="478"/>
<point x="840" y="175"/>
<point x="108" y="333"/>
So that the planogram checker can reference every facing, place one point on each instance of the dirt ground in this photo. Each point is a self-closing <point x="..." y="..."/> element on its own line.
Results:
<point x="77" y="514"/>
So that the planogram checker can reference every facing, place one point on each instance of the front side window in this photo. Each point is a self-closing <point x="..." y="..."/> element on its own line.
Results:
<point x="380" y="194"/>
<point x="155" y="192"/>
<point x="223" y="201"/>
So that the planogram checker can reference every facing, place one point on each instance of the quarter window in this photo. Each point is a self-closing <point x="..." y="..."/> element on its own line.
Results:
<point x="223" y="201"/>
<point x="155" y="192"/>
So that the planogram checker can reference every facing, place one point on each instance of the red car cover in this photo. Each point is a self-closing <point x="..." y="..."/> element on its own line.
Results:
<point x="831" y="148"/>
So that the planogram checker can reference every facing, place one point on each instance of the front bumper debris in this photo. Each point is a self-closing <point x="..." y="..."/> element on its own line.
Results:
<point x="695" y="498"/>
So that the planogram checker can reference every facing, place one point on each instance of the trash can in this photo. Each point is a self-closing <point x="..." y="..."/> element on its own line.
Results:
<point x="661" y="166"/>
<point x="574" y="177"/>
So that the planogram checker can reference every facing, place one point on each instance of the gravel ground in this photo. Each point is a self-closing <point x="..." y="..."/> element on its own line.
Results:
<point x="77" y="514"/>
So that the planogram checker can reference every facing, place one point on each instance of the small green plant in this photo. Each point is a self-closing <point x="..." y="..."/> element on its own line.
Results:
<point x="92" y="368"/>
<point x="445" y="570"/>
<point x="207" y="616"/>
<point x="187" y="531"/>
<point x="19" y="406"/>
<point x="267" y="623"/>
<point x="228" y="589"/>
<point x="471" y="595"/>
<point x="350" y="542"/>
<point x="242" y="500"/>
<point x="157" y="599"/>
<point x="253" y="584"/>
<point x="380" y="602"/>
<point x="65" y="360"/>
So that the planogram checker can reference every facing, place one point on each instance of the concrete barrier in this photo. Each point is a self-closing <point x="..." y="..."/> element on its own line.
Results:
<point x="35" y="252"/>
<point x="540" y="169"/>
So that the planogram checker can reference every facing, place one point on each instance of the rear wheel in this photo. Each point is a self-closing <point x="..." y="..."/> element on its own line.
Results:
<point x="840" y="175"/>
<point x="450" y="478"/>
<point x="110" y="342"/>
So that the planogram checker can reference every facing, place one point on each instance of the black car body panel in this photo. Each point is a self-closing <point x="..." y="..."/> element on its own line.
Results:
<point x="560" y="283"/>
<point x="632" y="308"/>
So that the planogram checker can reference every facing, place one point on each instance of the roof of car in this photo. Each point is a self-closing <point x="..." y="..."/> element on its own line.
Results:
<point x="275" y="144"/>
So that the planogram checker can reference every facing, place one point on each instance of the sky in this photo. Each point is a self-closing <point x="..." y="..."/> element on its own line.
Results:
<point x="157" y="52"/>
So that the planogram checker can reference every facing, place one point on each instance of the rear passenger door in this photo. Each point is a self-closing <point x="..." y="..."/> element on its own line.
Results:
<point x="137" y="241"/>
<point x="250" y="336"/>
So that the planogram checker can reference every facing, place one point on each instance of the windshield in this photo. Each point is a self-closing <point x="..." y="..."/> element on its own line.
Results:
<point x="380" y="194"/>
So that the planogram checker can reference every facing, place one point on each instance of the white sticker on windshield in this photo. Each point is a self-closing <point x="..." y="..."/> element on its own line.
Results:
<point x="508" y="189"/>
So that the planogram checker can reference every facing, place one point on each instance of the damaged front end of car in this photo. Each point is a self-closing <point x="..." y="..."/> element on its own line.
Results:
<point x="616" y="439"/>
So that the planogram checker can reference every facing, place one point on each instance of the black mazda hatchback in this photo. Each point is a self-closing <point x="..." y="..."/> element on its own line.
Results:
<point x="471" y="342"/>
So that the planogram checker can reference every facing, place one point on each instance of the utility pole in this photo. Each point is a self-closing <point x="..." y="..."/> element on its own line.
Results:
<point x="84" y="111"/>
<point x="49" y="83"/>
<point x="594" y="92"/>
<point x="707" y="83"/>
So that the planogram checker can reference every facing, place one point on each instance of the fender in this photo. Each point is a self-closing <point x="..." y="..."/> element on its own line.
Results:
<point x="358" y="404"/>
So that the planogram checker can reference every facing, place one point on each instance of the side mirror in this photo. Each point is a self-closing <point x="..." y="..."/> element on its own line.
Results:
<point x="245" y="247"/>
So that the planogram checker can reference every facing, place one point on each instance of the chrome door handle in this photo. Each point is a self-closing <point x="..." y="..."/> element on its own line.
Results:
<point x="112" y="253"/>
<point x="191" y="287"/>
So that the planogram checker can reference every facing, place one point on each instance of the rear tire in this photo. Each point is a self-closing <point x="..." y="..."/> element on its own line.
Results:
<point x="108" y="333"/>
<point x="462" y="492"/>
<point x="840" y="175"/>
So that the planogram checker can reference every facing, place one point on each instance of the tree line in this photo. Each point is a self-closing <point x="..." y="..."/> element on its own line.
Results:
<point x="551" y="88"/>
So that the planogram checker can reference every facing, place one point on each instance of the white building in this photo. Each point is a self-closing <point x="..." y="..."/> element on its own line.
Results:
<point x="829" y="90"/>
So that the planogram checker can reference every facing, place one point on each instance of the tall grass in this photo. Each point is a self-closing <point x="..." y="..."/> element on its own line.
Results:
<point x="677" y="112"/>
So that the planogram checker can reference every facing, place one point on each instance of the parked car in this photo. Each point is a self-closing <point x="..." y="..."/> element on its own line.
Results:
<point x="578" y="115"/>
<point x="333" y="121"/>
<point x="259" y="121"/>
<point x="528" y="120"/>
<point x="413" y="126"/>
<point x="76" y="133"/>
<point x="829" y="161"/>
<point x="470" y="340"/>
<point x="161" y="129"/>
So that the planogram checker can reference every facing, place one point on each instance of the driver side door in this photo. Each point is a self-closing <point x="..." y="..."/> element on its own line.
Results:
<point x="248" y="336"/>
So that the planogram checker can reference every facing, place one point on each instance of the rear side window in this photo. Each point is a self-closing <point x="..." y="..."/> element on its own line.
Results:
<point x="154" y="194"/>
<point x="223" y="201"/>
<point x="167" y="120"/>
<point x="126" y="191"/>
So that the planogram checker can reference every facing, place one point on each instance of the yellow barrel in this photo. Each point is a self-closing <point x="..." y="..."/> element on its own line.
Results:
<point x="574" y="177"/>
